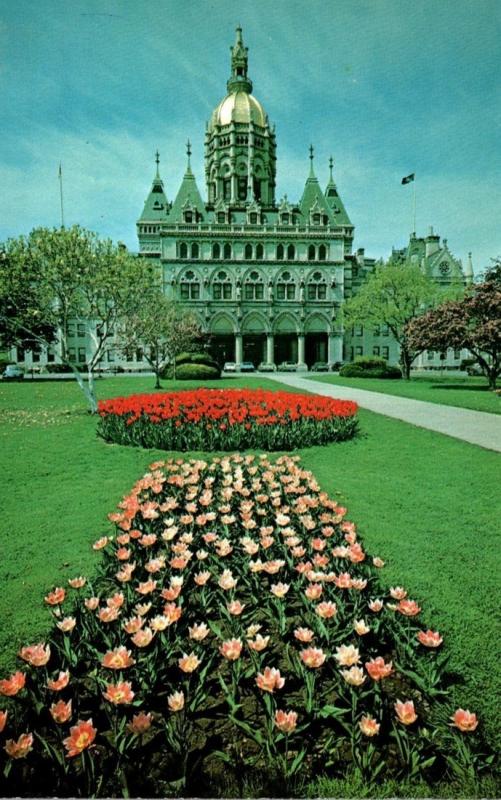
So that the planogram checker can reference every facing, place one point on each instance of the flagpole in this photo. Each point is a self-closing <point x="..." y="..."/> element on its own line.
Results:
<point x="61" y="194"/>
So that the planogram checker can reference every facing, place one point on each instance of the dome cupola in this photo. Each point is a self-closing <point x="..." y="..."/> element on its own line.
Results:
<point x="239" y="145"/>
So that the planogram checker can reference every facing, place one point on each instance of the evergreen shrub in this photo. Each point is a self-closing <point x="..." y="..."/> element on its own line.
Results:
<point x="369" y="367"/>
<point x="197" y="372"/>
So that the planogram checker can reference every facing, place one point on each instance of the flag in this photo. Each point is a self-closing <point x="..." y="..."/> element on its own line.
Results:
<point x="408" y="178"/>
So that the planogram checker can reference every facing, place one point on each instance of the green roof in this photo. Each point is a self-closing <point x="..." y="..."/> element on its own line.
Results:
<point x="336" y="204"/>
<point x="156" y="206"/>
<point x="313" y="197"/>
<point x="187" y="196"/>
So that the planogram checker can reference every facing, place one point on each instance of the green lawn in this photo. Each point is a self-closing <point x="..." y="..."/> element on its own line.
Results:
<point x="450" y="391"/>
<point x="428" y="504"/>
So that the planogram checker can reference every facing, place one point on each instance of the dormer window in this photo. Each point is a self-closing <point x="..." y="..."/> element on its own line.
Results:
<point x="221" y="217"/>
<point x="253" y="218"/>
<point x="188" y="216"/>
<point x="316" y="219"/>
<point x="285" y="218"/>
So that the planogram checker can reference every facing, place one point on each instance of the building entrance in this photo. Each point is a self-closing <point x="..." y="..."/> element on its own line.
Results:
<point x="315" y="348"/>
<point x="285" y="348"/>
<point x="222" y="347"/>
<point x="254" y="346"/>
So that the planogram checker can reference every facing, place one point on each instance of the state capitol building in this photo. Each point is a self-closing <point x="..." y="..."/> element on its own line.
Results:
<point x="266" y="277"/>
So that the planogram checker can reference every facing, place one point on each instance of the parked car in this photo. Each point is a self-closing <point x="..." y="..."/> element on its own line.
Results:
<point x="287" y="366"/>
<point x="247" y="366"/>
<point x="320" y="366"/>
<point x="230" y="366"/>
<point x="13" y="373"/>
<point x="265" y="367"/>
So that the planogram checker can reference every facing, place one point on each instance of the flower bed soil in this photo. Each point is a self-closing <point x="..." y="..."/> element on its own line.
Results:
<point x="236" y="632"/>
<point x="226" y="419"/>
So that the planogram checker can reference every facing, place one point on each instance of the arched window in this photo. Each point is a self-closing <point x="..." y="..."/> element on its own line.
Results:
<point x="311" y="252"/>
<point x="259" y="251"/>
<point x="254" y="287"/>
<point x="227" y="250"/>
<point x="195" y="250"/>
<point x="317" y="287"/>
<point x="280" y="252"/>
<point x="248" y="251"/>
<point x="286" y="288"/>
<point x="216" y="250"/>
<point x="291" y="252"/>
<point x="189" y="286"/>
<point x="183" y="250"/>
<point x="221" y="288"/>
<point x="322" y="252"/>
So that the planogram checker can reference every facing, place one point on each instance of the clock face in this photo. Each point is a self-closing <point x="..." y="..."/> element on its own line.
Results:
<point x="444" y="268"/>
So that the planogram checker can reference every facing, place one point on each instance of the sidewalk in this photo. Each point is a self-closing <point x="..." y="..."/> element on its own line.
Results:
<point x="476" y="427"/>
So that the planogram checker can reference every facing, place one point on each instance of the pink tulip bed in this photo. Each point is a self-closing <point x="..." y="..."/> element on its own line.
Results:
<point x="235" y="628"/>
<point x="226" y="419"/>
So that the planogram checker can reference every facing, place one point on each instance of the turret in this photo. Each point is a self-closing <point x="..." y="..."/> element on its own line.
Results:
<point x="432" y="243"/>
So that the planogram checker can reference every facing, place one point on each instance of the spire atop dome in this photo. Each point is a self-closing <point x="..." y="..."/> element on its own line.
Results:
<point x="239" y="82"/>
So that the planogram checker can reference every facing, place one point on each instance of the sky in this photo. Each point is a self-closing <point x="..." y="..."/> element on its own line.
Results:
<point x="387" y="87"/>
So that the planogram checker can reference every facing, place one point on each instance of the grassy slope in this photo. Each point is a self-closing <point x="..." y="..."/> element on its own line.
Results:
<point x="463" y="392"/>
<point x="426" y="503"/>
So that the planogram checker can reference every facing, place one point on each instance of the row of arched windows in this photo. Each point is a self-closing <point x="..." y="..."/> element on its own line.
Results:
<point x="253" y="288"/>
<point x="251" y="251"/>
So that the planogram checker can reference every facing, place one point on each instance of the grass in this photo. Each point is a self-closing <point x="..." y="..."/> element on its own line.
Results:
<point x="426" y="503"/>
<point x="449" y="391"/>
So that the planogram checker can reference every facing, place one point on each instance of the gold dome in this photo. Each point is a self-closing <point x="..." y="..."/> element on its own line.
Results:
<point x="239" y="107"/>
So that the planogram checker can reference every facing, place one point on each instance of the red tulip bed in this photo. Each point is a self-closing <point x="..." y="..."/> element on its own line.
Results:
<point x="237" y="631"/>
<point x="226" y="419"/>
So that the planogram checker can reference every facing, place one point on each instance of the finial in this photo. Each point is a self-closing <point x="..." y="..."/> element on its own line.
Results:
<point x="188" y="153"/>
<point x="157" y="162"/>
<point x="331" y="164"/>
<point x="312" y="174"/>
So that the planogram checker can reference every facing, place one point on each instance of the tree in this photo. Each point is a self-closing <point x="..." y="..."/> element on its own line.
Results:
<point x="393" y="294"/>
<point x="473" y="323"/>
<point x="162" y="329"/>
<point x="52" y="278"/>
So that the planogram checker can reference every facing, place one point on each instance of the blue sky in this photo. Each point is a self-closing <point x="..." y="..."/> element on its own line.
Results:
<point x="387" y="87"/>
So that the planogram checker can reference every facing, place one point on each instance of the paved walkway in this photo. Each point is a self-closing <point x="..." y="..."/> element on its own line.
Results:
<point x="476" y="427"/>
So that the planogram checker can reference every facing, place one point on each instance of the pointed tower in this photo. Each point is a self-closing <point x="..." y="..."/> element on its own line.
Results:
<point x="240" y="148"/>
<point x="188" y="206"/>
<point x="334" y="201"/>
<point x="156" y="205"/>
<point x="313" y="205"/>
<point x="155" y="211"/>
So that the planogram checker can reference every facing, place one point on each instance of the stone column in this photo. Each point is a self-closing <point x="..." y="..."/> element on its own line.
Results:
<point x="334" y="348"/>
<point x="300" y="351"/>
<point x="270" y="348"/>
<point x="238" y="349"/>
